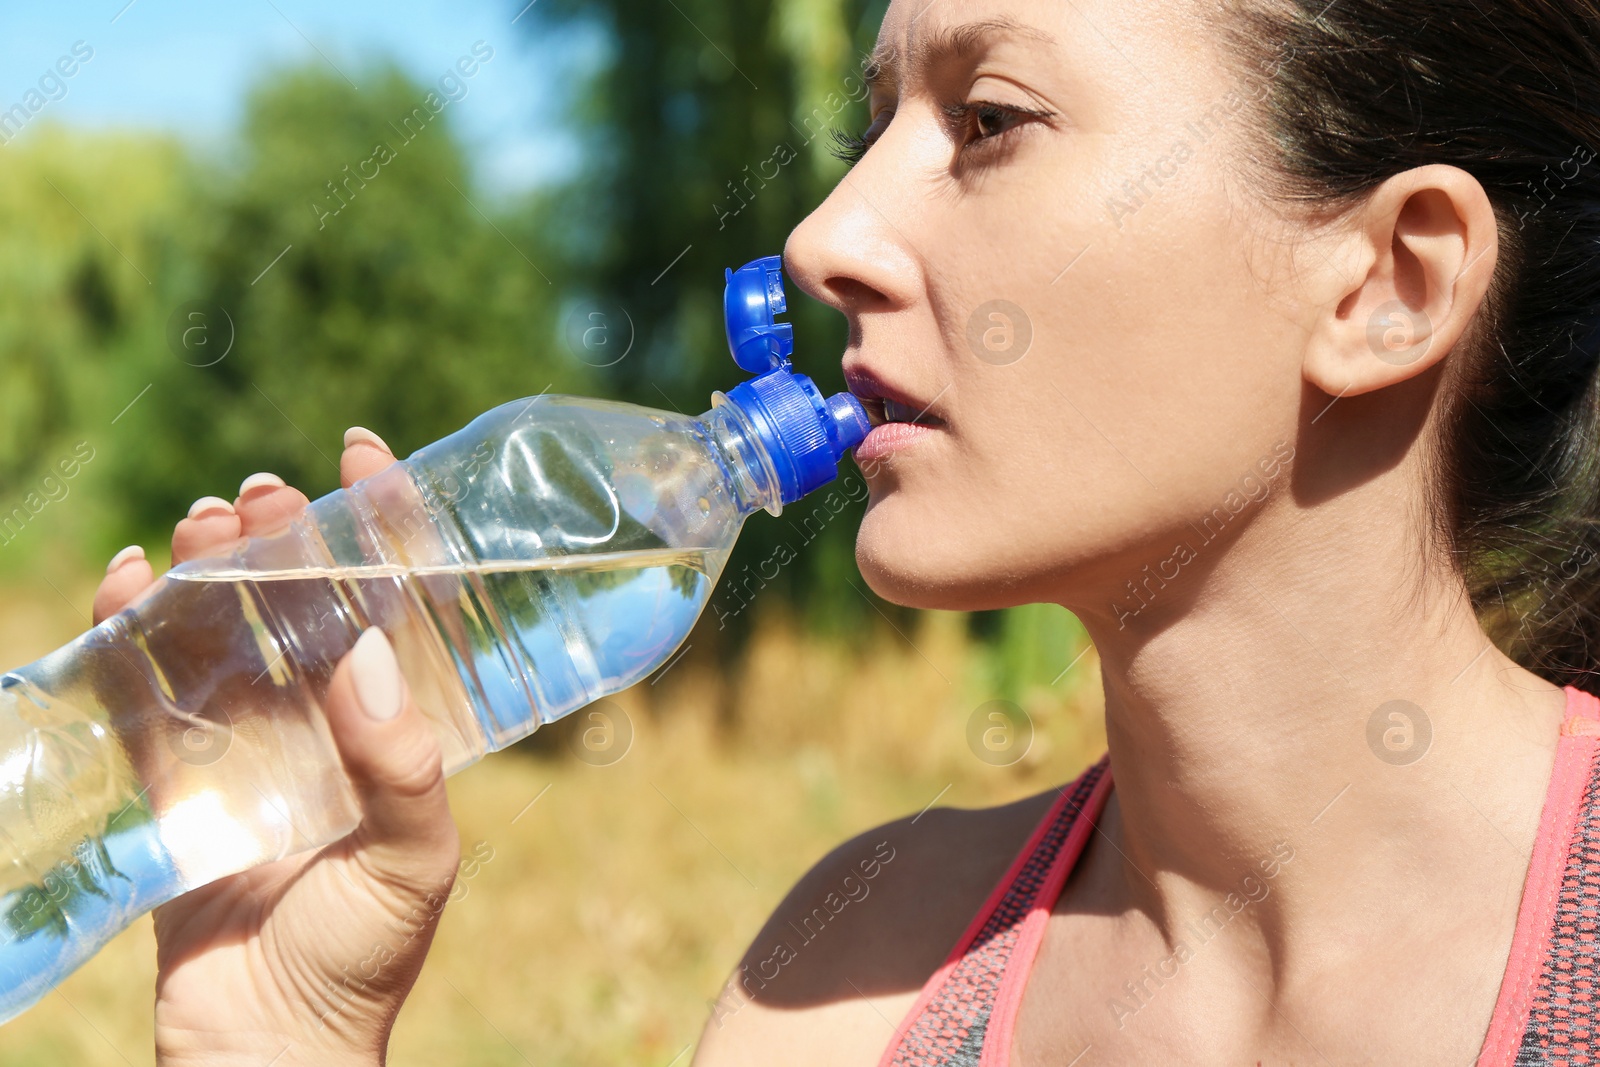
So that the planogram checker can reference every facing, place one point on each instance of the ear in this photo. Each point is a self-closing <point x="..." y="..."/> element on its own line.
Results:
<point x="1424" y="244"/>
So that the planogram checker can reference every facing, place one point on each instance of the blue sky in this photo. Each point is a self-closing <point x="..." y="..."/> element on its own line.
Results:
<point x="184" y="66"/>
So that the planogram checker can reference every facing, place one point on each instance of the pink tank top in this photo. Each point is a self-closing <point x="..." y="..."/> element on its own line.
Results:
<point x="1548" y="1012"/>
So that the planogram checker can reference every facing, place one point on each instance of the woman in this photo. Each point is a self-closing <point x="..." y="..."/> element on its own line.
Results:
<point x="1263" y="337"/>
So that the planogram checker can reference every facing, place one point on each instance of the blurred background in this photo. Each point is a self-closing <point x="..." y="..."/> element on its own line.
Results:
<point x="234" y="230"/>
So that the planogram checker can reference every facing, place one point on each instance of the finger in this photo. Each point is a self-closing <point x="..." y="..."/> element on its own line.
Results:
<point x="128" y="574"/>
<point x="211" y="528"/>
<point x="391" y="754"/>
<point x="365" y="454"/>
<point x="266" y="505"/>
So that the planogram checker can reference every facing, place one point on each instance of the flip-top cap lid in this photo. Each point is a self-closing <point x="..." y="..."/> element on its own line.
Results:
<point x="805" y="433"/>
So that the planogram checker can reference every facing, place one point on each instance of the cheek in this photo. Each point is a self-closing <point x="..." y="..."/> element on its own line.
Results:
<point x="1130" y="417"/>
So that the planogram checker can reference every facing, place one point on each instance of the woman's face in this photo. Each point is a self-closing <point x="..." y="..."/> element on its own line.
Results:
<point x="1048" y="253"/>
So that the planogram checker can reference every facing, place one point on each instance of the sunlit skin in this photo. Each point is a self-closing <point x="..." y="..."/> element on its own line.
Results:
<point x="1175" y="350"/>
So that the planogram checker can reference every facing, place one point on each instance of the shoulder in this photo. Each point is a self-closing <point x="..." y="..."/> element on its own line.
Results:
<point x="857" y="937"/>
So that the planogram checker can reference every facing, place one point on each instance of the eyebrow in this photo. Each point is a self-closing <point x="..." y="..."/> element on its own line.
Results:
<point x="885" y="66"/>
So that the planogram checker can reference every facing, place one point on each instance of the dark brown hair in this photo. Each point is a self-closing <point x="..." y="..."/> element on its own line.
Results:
<point x="1509" y="91"/>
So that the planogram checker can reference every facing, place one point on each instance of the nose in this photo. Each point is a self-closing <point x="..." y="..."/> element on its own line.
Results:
<point x="850" y="255"/>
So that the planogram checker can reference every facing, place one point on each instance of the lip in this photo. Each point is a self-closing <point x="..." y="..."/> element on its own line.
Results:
<point x="868" y="387"/>
<point x="888" y="437"/>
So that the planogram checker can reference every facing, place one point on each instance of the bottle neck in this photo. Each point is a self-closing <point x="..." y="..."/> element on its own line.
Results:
<point x="751" y="473"/>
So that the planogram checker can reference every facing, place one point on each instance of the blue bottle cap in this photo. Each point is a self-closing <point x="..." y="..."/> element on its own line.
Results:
<point x="806" y="434"/>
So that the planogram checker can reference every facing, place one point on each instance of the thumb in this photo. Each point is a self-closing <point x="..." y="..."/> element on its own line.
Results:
<point x="393" y="760"/>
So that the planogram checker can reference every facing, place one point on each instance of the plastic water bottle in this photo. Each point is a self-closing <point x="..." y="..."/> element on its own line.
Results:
<point x="556" y="550"/>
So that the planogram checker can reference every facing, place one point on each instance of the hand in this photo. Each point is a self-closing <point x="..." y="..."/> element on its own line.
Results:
<point x="310" y="958"/>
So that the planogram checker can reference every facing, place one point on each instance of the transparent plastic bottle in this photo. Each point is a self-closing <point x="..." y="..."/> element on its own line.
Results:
<point x="555" y="550"/>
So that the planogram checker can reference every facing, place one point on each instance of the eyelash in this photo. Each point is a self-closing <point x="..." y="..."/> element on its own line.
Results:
<point x="851" y="148"/>
<point x="848" y="148"/>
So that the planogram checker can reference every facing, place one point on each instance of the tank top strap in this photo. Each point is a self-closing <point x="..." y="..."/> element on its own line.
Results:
<point x="1549" y="1006"/>
<point x="978" y="988"/>
<point x="1583" y="714"/>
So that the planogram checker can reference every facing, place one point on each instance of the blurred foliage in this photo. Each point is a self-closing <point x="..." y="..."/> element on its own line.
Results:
<point x="708" y="128"/>
<point x="344" y="272"/>
<point x="70" y="299"/>
<point x="397" y="303"/>
<point x="192" y="318"/>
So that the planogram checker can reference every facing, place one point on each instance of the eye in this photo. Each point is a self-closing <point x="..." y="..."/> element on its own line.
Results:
<point x="982" y="123"/>
<point x="976" y="123"/>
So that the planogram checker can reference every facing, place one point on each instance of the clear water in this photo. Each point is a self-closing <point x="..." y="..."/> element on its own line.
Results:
<point x="554" y="551"/>
<point x="186" y="741"/>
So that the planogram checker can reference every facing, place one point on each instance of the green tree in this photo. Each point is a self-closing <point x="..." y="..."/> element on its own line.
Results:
<point x="341" y="271"/>
<point x="91" y="225"/>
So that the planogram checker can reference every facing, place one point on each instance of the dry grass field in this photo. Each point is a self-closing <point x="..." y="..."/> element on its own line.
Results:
<point x="617" y="895"/>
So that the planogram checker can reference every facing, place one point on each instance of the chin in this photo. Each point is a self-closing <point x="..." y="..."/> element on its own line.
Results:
<point x="908" y="567"/>
<point x="961" y="560"/>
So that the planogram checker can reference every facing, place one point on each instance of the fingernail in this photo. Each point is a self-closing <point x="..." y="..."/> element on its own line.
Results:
<point x="209" y="503"/>
<point x="360" y="435"/>
<point x="257" y="481"/>
<point x="376" y="674"/>
<point x="129" y="553"/>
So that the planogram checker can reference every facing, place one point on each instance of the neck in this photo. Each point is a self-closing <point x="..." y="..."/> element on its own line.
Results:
<point x="1259" y="713"/>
